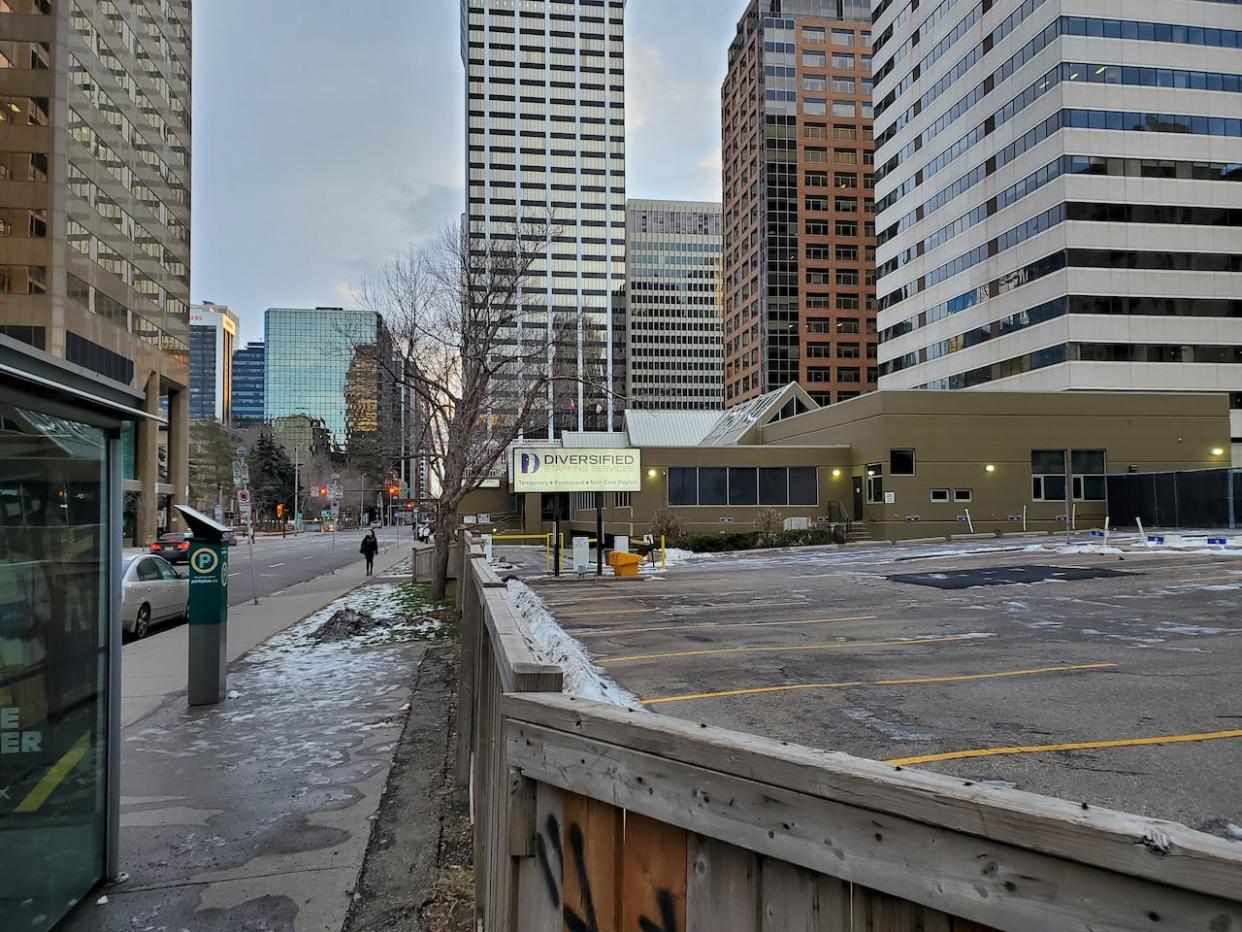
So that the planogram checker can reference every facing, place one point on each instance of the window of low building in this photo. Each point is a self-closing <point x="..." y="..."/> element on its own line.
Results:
<point x="875" y="483"/>
<point x="901" y="462"/>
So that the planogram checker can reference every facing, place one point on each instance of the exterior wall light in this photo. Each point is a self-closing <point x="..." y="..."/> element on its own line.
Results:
<point x="652" y="473"/>
<point x="1218" y="451"/>
<point x="990" y="468"/>
<point x="836" y="474"/>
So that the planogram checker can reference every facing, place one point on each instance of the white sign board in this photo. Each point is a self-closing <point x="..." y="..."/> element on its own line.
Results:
<point x="487" y="547"/>
<point x="890" y="498"/>
<point x="237" y="473"/>
<point x="243" y="497"/>
<point x="553" y="469"/>
<point x="621" y="544"/>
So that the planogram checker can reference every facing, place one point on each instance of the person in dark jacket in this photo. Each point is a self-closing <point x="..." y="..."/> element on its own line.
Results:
<point x="369" y="548"/>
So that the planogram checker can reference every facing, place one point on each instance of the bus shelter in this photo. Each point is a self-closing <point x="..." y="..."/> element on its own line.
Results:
<point x="60" y="633"/>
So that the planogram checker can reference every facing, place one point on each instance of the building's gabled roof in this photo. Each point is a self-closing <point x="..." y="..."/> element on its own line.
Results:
<point x="740" y="425"/>
<point x="713" y="428"/>
<point x="669" y="428"/>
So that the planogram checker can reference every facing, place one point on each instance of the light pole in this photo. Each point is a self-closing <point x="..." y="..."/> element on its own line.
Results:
<point x="297" y="485"/>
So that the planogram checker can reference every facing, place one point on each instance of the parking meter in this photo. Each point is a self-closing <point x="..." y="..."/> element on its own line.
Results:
<point x="209" y="608"/>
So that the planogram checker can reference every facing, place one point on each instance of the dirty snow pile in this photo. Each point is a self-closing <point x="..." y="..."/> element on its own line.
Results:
<point x="364" y="617"/>
<point x="582" y="678"/>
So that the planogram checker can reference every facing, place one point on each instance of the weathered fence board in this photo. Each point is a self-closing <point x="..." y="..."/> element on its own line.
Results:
<point x="722" y="886"/>
<point x="788" y="898"/>
<point x="653" y="875"/>
<point x="539" y="882"/>
<point x="592" y="842"/>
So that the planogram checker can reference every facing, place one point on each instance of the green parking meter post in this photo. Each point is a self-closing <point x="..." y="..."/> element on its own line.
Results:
<point x="209" y="608"/>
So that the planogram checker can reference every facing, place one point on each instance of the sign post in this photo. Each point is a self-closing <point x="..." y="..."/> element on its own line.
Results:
<point x="209" y="608"/>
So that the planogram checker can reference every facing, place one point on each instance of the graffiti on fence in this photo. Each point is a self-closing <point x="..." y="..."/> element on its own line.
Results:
<point x="548" y="846"/>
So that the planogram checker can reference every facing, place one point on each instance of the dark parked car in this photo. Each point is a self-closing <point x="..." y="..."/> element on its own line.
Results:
<point x="175" y="548"/>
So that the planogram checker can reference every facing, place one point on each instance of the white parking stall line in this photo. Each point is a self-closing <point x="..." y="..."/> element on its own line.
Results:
<point x="274" y="565"/>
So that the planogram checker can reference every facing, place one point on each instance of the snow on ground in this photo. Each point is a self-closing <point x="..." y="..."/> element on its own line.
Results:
<point x="384" y="601"/>
<point x="582" y="678"/>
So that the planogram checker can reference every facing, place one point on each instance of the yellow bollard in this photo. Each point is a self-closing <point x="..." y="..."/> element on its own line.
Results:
<point x="663" y="554"/>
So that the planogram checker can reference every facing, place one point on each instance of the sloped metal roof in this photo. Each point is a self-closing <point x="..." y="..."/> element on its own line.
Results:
<point x="669" y="428"/>
<point x="594" y="439"/>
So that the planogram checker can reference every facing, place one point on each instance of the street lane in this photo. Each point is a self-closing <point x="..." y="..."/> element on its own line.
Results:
<point x="283" y="562"/>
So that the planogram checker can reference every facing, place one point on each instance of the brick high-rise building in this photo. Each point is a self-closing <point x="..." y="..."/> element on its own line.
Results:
<point x="95" y="214"/>
<point x="799" y="208"/>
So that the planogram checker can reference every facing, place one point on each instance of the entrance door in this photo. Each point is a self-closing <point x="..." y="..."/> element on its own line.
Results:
<point x="858" y="498"/>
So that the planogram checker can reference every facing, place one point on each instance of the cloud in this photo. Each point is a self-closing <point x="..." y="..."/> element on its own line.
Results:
<point x="424" y="209"/>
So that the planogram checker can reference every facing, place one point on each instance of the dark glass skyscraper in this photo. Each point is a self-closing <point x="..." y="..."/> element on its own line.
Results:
<point x="248" y="390"/>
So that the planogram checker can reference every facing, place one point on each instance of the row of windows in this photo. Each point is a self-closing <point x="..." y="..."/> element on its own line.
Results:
<point x="1072" y="212"/>
<point x="744" y="485"/>
<point x="1088" y="352"/>
<point x="1070" y="165"/>
<point x="1130" y="306"/>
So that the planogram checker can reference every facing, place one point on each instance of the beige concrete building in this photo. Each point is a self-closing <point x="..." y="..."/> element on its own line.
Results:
<point x="894" y="465"/>
<point x="95" y="213"/>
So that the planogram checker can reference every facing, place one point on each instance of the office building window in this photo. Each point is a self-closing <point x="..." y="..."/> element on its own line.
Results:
<point x="901" y="462"/>
<point x="965" y="496"/>
<point x="1048" y="475"/>
<point x="939" y="495"/>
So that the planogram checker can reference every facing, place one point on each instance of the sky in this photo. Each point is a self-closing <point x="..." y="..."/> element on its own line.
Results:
<point x="325" y="142"/>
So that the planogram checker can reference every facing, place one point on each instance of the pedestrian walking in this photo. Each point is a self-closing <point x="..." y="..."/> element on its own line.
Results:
<point x="369" y="548"/>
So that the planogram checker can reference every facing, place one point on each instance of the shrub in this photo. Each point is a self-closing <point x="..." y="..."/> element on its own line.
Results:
<point x="667" y="523"/>
<point x="750" y="540"/>
<point x="769" y="524"/>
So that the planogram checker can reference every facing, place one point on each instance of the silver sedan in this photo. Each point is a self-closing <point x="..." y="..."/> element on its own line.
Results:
<point x="151" y="591"/>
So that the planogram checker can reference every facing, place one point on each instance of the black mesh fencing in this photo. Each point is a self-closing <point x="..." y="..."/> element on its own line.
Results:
<point x="1205" y="498"/>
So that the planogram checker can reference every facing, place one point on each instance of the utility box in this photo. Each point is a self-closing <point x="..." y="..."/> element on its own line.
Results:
<point x="209" y="608"/>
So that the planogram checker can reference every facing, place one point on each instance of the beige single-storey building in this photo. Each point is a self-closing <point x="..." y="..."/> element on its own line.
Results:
<point x="895" y="465"/>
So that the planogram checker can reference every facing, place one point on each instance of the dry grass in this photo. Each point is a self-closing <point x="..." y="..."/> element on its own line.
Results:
<point x="450" y="907"/>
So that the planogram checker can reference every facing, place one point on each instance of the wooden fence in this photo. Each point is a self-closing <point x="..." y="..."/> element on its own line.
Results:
<point x="594" y="818"/>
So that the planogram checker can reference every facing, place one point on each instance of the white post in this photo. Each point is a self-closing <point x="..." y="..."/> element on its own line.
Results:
<point x="1106" y="521"/>
<point x="1024" y="518"/>
<point x="254" y="586"/>
<point x="1074" y="517"/>
<point x="970" y="524"/>
<point x="1142" y="533"/>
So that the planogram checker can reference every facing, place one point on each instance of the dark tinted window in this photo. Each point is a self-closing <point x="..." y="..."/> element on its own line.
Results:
<point x="1048" y="462"/>
<point x="681" y="486"/>
<point x="1086" y="462"/>
<point x="803" y="485"/>
<point x="901" y="462"/>
<point x="148" y="571"/>
<point x="773" y="486"/>
<point x="743" y="486"/>
<point x="713" y="485"/>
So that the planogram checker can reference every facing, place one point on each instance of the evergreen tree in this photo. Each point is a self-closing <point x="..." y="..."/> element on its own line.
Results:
<point x="271" y="477"/>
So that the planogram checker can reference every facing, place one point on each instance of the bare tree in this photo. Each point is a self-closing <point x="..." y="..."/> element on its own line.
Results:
<point x="469" y="356"/>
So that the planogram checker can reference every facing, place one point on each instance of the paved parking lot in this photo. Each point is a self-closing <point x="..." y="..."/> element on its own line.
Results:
<point x="1114" y="679"/>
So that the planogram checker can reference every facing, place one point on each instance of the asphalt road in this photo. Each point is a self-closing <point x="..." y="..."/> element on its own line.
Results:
<point x="982" y="661"/>
<point x="283" y="562"/>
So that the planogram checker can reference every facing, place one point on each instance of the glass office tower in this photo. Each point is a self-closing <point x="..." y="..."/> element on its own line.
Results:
<point x="545" y="100"/>
<point x="249" y="365"/>
<point x="328" y="381"/>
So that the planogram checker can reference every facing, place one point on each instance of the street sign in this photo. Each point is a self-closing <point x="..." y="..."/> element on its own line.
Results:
<point x="242" y="453"/>
<point x="243" y="497"/>
<point x="245" y="472"/>
<point x="219" y="512"/>
<point x="237" y="473"/>
<point x="245" y="512"/>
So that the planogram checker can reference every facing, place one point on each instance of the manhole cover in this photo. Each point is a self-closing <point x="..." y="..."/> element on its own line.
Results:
<point x="1005" y="576"/>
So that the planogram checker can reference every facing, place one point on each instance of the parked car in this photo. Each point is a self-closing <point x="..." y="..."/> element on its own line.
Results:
<point x="151" y="591"/>
<point x="230" y="537"/>
<point x="175" y="548"/>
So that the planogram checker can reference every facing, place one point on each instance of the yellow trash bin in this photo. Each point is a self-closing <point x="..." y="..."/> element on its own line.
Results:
<point x="624" y="564"/>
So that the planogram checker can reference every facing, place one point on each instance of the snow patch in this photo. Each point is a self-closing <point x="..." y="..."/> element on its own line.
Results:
<point x="582" y="678"/>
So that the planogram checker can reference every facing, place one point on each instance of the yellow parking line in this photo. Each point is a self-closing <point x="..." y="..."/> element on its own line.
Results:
<point x="611" y="611"/>
<point x="609" y="632"/>
<point x="1072" y="746"/>
<point x="52" y="779"/>
<point x="601" y="598"/>
<point x="911" y="681"/>
<point x="786" y="648"/>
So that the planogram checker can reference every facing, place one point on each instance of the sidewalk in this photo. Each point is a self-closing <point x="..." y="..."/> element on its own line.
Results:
<point x="155" y="668"/>
<point x="256" y="814"/>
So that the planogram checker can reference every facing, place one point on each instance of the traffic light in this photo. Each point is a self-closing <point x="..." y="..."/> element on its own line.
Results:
<point x="409" y="506"/>
<point x="280" y="509"/>
<point x="323" y="491"/>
